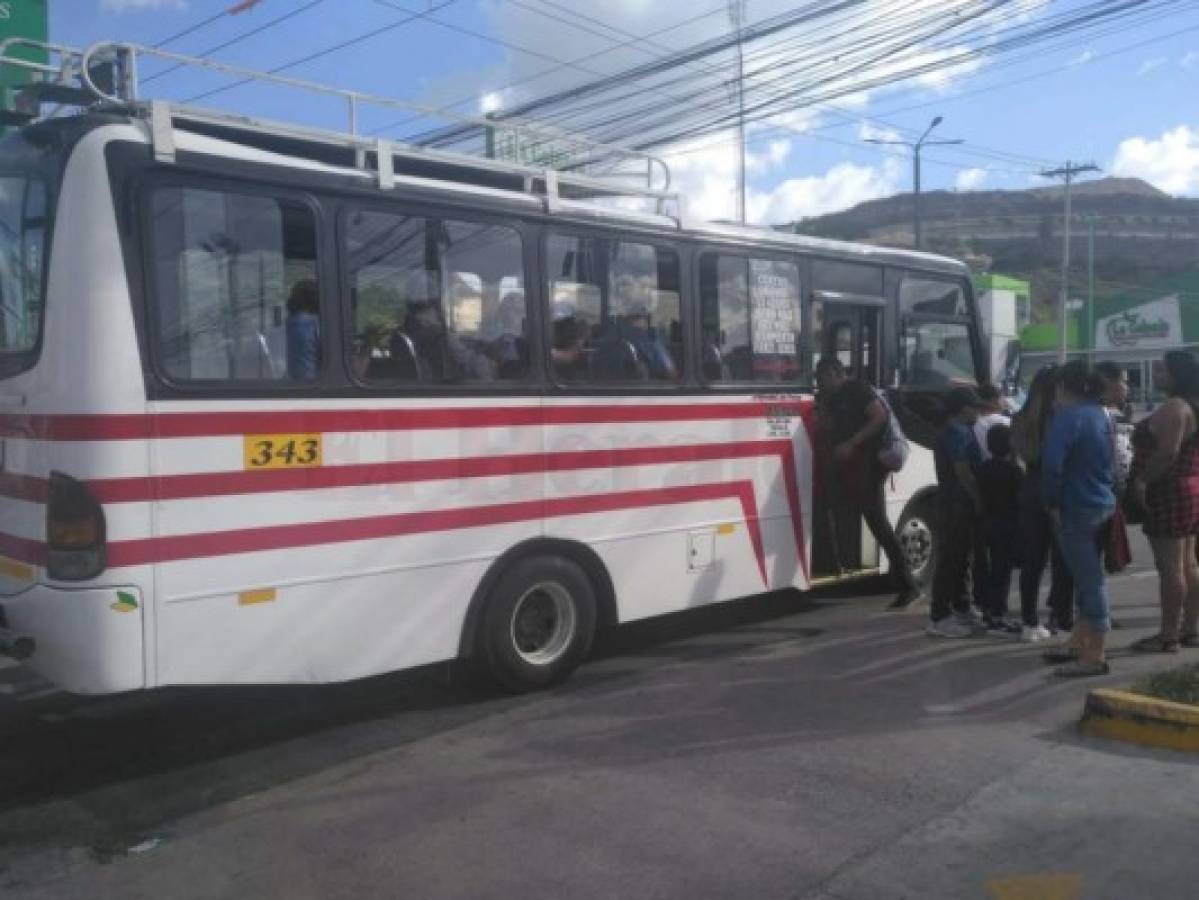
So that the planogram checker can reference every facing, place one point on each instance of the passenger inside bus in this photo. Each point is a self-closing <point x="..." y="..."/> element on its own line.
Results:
<point x="630" y="349"/>
<point x="510" y="349"/>
<point x="303" y="332"/>
<point x="568" y="352"/>
<point x="423" y="350"/>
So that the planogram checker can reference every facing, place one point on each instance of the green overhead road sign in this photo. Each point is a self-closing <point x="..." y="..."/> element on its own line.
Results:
<point x="22" y="19"/>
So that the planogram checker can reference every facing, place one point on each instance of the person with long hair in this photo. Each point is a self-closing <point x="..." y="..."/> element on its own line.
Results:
<point x="1029" y="427"/>
<point x="1077" y="479"/>
<point x="1166" y="481"/>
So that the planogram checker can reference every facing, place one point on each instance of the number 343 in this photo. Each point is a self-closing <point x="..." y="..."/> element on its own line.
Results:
<point x="282" y="451"/>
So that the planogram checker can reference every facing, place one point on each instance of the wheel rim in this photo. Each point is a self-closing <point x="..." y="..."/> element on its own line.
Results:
<point x="543" y="623"/>
<point x="916" y="541"/>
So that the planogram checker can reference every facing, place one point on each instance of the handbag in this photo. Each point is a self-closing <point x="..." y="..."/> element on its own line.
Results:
<point x="1117" y="552"/>
<point x="893" y="448"/>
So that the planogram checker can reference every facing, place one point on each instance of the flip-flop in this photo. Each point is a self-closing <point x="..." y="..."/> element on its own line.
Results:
<point x="1154" y="644"/>
<point x="1081" y="669"/>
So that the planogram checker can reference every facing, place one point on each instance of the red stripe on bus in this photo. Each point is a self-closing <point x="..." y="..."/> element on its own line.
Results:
<point x="280" y="537"/>
<point x="149" y="426"/>
<point x="215" y="484"/>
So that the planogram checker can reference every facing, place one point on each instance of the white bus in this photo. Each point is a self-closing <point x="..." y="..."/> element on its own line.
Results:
<point x="276" y="406"/>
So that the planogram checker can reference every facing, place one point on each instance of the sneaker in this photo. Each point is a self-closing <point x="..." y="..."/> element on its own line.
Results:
<point x="1034" y="634"/>
<point x="949" y="627"/>
<point x="1003" y="628"/>
<point x="904" y="599"/>
<point x="972" y="620"/>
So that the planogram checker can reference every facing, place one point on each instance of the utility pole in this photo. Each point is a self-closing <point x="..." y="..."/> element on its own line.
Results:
<point x="1091" y="287"/>
<point x="1067" y="173"/>
<point x="737" y="20"/>
<point x="915" y="147"/>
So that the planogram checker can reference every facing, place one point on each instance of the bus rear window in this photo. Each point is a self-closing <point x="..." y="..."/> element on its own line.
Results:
<point x="23" y="209"/>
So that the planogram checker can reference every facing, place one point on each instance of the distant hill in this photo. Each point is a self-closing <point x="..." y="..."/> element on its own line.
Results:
<point x="1143" y="237"/>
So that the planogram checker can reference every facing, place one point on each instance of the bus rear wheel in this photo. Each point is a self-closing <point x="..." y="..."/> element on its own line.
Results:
<point x="538" y="623"/>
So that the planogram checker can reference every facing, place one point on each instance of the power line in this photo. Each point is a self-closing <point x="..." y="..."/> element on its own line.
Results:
<point x="191" y="29"/>
<point x="536" y="76"/>
<point x="327" y="50"/>
<point x="241" y="37"/>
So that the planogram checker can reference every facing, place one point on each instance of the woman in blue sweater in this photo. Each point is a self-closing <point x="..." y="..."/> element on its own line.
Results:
<point x="1076" y="480"/>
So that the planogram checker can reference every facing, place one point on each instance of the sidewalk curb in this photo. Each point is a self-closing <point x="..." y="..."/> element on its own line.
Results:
<point x="1136" y="719"/>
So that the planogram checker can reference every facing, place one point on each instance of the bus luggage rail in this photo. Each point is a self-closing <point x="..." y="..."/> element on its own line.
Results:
<point x="108" y="74"/>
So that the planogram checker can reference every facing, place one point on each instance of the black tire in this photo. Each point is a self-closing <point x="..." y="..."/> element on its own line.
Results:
<point x="918" y="540"/>
<point x="538" y="623"/>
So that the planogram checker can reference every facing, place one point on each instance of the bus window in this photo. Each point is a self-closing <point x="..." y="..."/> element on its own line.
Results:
<point x="614" y="311"/>
<point x="750" y="318"/>
<point x="937" y="353"/>
<point x="22" y="250"/>
<point x="923" y="297"/>
<point x="236" y="287"/>
<point x="435" y="301"/>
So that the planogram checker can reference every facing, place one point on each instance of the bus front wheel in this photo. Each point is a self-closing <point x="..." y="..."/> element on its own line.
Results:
<point x="917" y="539"/>
<point x="538" y="623"/>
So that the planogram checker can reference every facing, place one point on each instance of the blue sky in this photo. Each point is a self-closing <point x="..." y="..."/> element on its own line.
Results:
<point x="1129" y="108"/>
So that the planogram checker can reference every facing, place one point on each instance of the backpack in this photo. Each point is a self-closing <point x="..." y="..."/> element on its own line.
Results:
<point x="893" y="448"/>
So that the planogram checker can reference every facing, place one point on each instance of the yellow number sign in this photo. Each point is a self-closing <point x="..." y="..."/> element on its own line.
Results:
<point x="282" y="451"/>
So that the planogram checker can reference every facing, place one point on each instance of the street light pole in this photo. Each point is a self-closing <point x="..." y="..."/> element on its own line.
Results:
<point x="737" y="18"/>
<point x="915" y="147"/>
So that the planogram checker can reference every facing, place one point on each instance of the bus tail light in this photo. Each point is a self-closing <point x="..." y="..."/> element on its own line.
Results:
<point x="75" y="531"/>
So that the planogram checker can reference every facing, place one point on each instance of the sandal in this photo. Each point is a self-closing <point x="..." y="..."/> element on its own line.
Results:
<point x="1081" y="669"/>
<point x="1154" y="644"/>
<point x="1060" y="655"/>
<point x="1189" y="640"/>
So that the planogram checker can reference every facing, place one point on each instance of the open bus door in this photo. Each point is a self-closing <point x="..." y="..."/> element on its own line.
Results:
<point x="850" y="332"/>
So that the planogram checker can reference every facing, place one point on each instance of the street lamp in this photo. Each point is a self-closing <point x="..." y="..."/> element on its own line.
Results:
<point x="915" y="147"/>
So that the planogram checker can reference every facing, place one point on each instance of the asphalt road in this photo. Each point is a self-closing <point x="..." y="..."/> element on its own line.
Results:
<point x="783" y="746"/>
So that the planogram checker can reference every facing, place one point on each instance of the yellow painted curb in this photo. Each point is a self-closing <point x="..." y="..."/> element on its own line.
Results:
<point x="1136" y="719"/>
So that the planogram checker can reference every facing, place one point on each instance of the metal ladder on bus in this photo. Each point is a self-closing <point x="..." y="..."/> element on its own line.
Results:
<point x="105" y="77"/>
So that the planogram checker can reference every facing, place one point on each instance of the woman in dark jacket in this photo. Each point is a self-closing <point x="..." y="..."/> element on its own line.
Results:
<point x="1029" y="428"/>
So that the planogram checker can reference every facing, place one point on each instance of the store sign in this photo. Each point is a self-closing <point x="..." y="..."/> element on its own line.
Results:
<point x="1153" y="325"/>
<point x="21" y="19"/>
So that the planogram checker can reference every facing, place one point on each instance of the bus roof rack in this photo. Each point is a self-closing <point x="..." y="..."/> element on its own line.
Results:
<point x="517" y="154"/>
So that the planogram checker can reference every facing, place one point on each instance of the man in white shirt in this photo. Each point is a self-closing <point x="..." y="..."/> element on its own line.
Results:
<point x="991" y="414"/>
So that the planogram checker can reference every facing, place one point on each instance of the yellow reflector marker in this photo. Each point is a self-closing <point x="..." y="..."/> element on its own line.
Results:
<point x="249" y="598"/>
<point x="726" y="529"/>
<point x="10" y="568"/>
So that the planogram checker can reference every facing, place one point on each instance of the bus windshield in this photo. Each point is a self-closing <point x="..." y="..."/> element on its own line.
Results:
<point x="23" y="236"/>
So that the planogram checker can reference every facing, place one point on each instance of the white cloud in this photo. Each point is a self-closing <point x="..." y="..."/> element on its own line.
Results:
<point x="122" y="6"/>
<point x="1150" y="64"/>
<point x="1170" y="162"/>
<point x="1082" y="59"/>
<point x="1189" y="59"/>
<point x="868" y="132"/>
<point x="842" y="186"/>
<point x="971" y="179"/>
